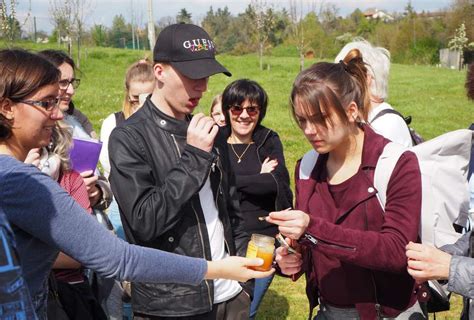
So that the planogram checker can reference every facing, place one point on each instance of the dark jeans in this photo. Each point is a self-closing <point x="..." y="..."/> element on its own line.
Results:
<point x="261" y="287"/>
<point x="79" y="302"/>
<point x="236" y="308"/>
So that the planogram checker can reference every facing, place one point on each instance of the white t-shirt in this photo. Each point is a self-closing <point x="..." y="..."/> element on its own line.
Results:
<point x="107" y="126"/>
<point x="390" y="125"/>
<point x="223" y="289"/>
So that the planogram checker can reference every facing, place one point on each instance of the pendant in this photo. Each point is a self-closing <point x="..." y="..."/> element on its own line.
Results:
<point x="238" y="161"/>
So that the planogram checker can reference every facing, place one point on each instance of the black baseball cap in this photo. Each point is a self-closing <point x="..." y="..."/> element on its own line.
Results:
<point x="189" y="49"/>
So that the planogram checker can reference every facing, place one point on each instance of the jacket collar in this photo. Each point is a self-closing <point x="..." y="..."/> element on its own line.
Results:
<point x="372" y="149"/>
<point x="164" y="121"/>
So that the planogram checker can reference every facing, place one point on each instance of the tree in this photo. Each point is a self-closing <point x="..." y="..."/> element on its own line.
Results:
<point x="219" y="26"/>
<point x="261" y="14"/>
<point x="183" y="16"/>
<point x="80" y="10"/>
<point x="10" y="26"/>
<point x="62" y="18"/>
<point x="120" y="32"/>
<point x="297" y="29"/>
<point x="99" y="35"/>
<point x="459" y="42"/>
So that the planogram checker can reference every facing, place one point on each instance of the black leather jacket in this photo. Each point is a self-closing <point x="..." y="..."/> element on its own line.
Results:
<point x="156" y="178"/>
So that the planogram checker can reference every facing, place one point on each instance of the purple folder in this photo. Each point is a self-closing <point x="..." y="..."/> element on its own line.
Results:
<point x="85" y="154"/>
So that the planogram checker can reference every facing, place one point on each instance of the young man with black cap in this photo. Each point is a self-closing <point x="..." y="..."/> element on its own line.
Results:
<point x="170" y="175"/>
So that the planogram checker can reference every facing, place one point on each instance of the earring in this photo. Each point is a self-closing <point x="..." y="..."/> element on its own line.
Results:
<point x="9" y="117"/>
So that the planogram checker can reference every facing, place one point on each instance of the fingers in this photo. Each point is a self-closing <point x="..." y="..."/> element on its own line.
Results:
<point x="86" y="174"/>
<point x="202" y="131"/>
<point x="288" y="263"/>
<point x="33" y="157"/>
<point x="90" y="182"/>
<point x="414" y="246"/>
<point x="253" y="262"/>
<point x="292" y="223"/>
<point x="259" y="274"/>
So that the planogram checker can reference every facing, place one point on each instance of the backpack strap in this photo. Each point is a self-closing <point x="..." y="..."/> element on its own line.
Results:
<point x="119" y="118"/>
<point x="392" y="111"/>
<point x="384" y="168"/>
<point x="307" y="164"/>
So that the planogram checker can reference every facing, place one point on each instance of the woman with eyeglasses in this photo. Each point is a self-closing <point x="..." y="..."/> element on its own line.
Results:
<point x="256" y="155"/>
<point x="45" y="219"/>
<point x="100" y="193"/>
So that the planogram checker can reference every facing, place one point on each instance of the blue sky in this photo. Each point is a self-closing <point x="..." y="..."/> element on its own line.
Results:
<point x="103" y="11"/>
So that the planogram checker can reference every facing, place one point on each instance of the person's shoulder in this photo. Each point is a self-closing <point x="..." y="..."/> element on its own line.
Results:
<point x="11" y="165"/>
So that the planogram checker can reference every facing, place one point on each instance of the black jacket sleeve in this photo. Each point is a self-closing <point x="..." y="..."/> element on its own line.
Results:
<point x="152" y="205"/>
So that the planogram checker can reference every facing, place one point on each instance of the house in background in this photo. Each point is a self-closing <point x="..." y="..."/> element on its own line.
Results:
<point x="374" y="13"/>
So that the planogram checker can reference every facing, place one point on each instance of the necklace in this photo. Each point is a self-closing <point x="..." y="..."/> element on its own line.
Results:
<point x="239" y="158"/>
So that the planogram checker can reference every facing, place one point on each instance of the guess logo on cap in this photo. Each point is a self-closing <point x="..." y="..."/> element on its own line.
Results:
<point x="196" y="45"/>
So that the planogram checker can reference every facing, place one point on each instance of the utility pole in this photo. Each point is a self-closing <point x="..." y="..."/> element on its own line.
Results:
<point x="34" y="28"/>
<point x="151" y="26"/>
<point x="133" y="25"/>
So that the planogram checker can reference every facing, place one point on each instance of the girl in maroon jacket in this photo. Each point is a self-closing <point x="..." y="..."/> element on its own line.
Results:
<point x="350" y="248"/>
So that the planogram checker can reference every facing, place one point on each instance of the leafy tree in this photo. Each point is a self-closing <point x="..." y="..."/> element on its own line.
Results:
<point x="219" y="25"/>
<point x="62" y="18"/>
<point x="183" y="16"/>
<point x="10" y="26"/>
<point x="120" y="33"/>
<point x="263" y="18"/>
<point x="99" y="35"/>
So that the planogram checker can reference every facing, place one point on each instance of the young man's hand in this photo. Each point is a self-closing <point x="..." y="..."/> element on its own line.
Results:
<point x="202" y="131"/>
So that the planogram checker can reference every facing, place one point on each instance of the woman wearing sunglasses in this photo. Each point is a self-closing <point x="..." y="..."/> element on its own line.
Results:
<point x="256" y="155"/>
<point x="45" y="219"/>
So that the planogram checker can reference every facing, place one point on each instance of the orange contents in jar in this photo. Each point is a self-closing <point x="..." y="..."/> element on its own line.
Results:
<point x="261" y="246"/>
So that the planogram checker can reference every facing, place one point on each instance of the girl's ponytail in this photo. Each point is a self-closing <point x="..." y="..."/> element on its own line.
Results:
<point x="355" y="66"/>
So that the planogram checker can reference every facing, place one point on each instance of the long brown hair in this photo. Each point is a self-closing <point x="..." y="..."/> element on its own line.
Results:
<point x="326" y="87"/>
<point x="22" y="73"/>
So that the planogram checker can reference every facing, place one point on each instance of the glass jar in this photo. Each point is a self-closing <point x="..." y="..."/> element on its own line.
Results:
<point x="261" y="246"/>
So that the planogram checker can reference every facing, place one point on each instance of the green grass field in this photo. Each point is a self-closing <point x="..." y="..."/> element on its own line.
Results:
<point x="434" y="97"/>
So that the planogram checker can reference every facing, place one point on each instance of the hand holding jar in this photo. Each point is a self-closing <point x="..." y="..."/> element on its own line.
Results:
<point x="261" y="246"/>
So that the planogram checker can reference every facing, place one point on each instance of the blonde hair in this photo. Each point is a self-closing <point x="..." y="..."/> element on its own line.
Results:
<point x="61" y="143"/>
<point x="141" y="71"/>
<point x="216" y="100"/>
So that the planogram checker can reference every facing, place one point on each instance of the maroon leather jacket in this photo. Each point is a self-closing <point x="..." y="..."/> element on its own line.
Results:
<point x="353" y="252"/>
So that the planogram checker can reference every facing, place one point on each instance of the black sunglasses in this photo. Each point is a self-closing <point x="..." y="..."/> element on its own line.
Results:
<point x="251" y="111"/>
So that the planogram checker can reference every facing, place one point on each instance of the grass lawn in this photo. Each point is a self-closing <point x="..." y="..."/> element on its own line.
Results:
<point x="434" y="97"/>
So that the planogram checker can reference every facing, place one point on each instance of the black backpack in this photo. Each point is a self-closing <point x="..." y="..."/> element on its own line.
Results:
<point x="416" y="138"/>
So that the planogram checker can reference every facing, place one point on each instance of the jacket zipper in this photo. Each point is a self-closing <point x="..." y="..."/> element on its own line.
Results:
<point x="201" y="237"/>
<point x="315" y="241"/>
<point x="176" y="145"/>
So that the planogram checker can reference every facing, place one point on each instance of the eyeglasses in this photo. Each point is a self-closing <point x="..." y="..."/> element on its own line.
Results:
<point x="133" y="102"/>
<point x="48" y="105"/>
<point x="251" y="111"/>
<point x="64" y="84"/>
